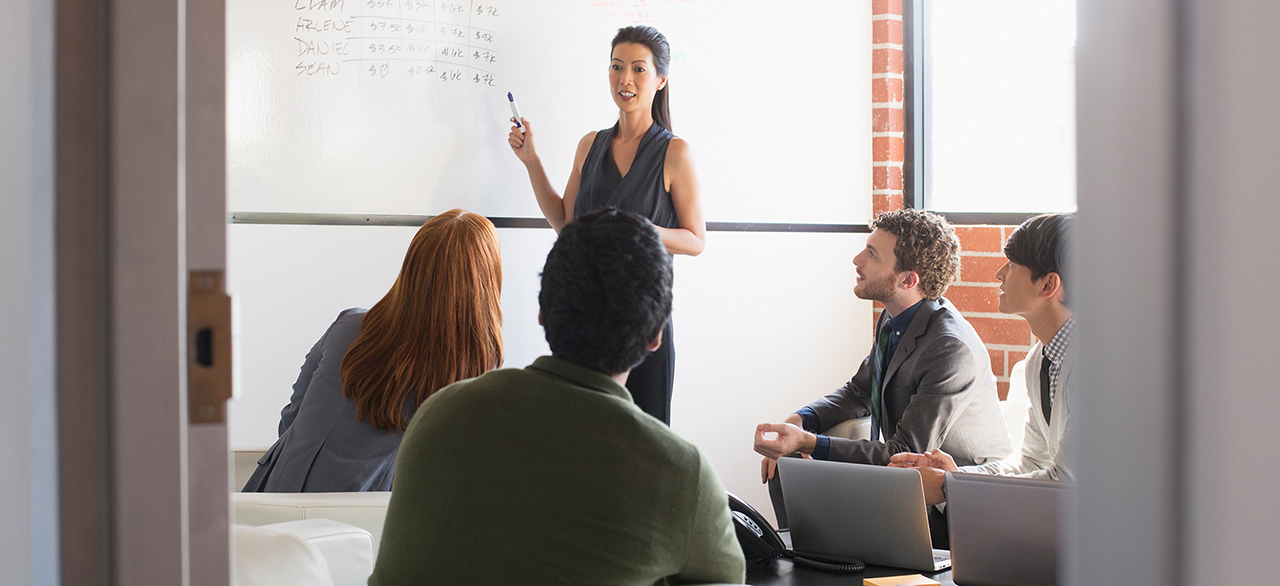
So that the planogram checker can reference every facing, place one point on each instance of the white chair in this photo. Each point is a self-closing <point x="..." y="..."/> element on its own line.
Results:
<point x="366" y="510"/>
<point x="314" y="552"/>
<point x="858" y="429"/>
<point x="1016" y="404"/>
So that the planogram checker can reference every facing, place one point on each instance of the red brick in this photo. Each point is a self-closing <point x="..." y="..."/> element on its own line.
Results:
<point x="1001" y="330"/>
<point x="981" y="299"/>
<point x="979" y="269"/>
<point x="886" y="31"/>
<point x="1002" y="389"/>
<point x="886" y="7"/>
<point x="887" y="120"/>
<point x="887" y="149"/>
<point x="1015" y="356"/>
<point x="979" y="238"/>
<point x="886" y="203"/>
<point x="886" y="61"/>
<point x="886" y="178"/>
<point x="997" y="362"/>
<point x="886" y="89"/>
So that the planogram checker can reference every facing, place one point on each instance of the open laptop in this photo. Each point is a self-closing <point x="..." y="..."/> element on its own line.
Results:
<point x="871" y="513"/>
<point x="1004" y="531"/>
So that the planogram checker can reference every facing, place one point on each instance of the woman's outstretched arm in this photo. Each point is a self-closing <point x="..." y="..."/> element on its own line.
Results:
<point x="555" y="208"/>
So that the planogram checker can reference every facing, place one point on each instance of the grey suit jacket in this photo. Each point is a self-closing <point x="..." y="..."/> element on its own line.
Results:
<point x="938" y="393"/>
<point x="323" y="446"/>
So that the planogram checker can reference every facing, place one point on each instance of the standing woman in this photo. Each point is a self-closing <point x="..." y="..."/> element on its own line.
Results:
<point x="361" y="383"/>
<point x="638" y="165"/>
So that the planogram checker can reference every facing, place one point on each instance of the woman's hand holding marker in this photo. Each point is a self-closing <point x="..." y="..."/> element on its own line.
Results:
<point x="515" y="112"/>
<point x="521" y="137"/>
<point x="521" y="141"/>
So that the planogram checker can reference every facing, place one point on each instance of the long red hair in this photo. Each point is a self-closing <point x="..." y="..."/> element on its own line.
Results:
<point x="440" y="322"/>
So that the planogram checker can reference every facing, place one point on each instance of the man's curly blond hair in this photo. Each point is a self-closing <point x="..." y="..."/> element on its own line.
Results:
<point x="927" y="244"/>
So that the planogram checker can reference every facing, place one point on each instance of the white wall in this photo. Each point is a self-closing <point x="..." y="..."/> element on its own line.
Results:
<point x="764" y="323"/>
<point x="28" y="425"/>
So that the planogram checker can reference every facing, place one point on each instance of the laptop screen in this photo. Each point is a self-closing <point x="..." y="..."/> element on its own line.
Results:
<point x="870" y="513"/>
<point x="1004" y="530"/>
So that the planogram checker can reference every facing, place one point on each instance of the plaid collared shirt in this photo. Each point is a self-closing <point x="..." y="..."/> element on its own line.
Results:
<point x="1055" y="350"/>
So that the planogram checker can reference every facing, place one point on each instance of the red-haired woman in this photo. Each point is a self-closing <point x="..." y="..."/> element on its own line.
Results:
<point x="361" y="383"/>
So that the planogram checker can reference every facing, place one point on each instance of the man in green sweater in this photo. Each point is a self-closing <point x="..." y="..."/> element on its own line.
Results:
<point x="551" y="474"/>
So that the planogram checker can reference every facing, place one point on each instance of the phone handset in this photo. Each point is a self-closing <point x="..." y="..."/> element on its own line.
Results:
<point x="760" y="542"/>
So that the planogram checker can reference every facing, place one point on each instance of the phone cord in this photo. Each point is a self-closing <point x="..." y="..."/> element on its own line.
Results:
<point x="848" y="566"/>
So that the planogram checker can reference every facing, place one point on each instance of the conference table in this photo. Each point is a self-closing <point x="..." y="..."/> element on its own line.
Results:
<point x="786" y="573"/>
<point x="782" y="572"/>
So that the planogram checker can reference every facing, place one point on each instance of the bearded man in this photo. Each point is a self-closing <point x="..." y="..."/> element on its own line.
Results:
<point x="927" y="382"/>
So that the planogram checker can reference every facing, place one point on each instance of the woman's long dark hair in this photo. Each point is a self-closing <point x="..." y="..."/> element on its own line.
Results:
<point x="657" y="44"/>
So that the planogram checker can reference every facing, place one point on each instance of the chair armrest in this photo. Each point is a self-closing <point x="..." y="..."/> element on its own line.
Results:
<point x="346" y="549"/>
<point x="366" y="510"/>
<point x="271" y="558"/>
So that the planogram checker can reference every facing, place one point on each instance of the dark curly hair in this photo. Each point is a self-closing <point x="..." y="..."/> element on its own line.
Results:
<point x="606" y="291"/>
<point x="927" y="244"/>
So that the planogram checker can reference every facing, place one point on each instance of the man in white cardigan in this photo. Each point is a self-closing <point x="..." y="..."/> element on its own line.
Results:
<point x="1031" y="286"/>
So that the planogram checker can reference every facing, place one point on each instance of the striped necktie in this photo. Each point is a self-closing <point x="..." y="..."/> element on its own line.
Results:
<point x="878" y="367"/>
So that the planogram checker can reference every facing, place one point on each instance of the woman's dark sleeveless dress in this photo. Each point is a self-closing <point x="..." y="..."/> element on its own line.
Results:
<point x="644" y="192"/>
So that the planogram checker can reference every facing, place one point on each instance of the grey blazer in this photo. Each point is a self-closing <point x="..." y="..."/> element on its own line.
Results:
<point x="938" y="393"/>
<point x="323" y="446"/>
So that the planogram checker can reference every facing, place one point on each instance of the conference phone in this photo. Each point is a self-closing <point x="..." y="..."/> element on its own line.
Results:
<point x="761" y="543"/>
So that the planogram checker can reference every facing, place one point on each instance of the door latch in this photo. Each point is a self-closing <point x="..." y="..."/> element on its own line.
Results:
<point x="209" y="348"/>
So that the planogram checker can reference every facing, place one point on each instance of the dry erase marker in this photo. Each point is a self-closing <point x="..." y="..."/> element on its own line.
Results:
<point x="515" y="112"/>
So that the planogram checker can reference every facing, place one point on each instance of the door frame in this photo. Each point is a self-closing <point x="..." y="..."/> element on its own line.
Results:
<point x="140" y="103"/>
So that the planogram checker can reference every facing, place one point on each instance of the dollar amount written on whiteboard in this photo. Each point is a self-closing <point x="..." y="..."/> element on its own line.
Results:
<point x="434" y="41"/>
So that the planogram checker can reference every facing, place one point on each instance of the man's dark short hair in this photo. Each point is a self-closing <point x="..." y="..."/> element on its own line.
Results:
<point x="1041" y="244"/>
<point x="927" y="244"/>
<point x="606" y="291"/>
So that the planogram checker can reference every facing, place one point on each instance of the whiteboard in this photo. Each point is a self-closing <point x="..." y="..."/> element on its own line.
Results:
<point x="399" y="106"/>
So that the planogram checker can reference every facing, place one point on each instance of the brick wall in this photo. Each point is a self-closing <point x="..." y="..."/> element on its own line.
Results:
<point x="1008" y="338"/>
<point x="887" y="121"/>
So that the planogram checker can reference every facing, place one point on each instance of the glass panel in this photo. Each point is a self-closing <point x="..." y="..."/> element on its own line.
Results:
<point x="1001" y="105"/>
